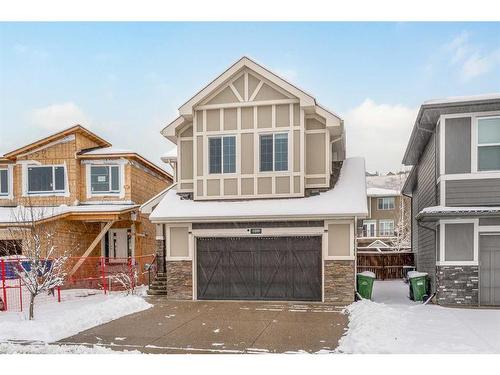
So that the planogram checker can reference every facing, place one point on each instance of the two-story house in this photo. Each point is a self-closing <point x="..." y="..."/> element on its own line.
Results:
<point x="265" y="203"/>
<point x="85" y="192"/>
<point x="387" y="226"/>
<point x="455" y="187"/>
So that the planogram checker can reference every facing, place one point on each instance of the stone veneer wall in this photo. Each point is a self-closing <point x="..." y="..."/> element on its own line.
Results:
<point x="457" y="285"/>
<point x="179" y="279"/>
<point x="339" y="281"/>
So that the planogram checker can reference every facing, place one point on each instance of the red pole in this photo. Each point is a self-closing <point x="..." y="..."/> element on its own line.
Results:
<point x="103" y="275"/>
<point x="58" y="294"/>
<point x="130" y="273"/>
<point x="3" y="286"/>
<point x="20" y="294"/>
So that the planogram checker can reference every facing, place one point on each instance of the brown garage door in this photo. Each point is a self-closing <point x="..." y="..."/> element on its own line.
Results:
<point x="259" y="268"/>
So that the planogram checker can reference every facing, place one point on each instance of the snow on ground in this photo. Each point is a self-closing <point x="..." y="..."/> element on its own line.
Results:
<point x="55" y="321"/>
<point x="13" y="348"/>
<point x="391" y="323"/>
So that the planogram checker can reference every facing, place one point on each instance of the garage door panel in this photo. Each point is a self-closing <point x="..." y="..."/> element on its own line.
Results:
<point x="265" y="268"/>
<point x="241" y="274"/>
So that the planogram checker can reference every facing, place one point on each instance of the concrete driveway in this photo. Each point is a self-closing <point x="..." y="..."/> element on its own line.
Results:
<point x="221" y="327"/>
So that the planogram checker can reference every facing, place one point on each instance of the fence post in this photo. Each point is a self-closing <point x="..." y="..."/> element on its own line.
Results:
<point x="3" y="285"/>
<point x="103" y="273"/>
<point x="131" y="274"/>
<point x="58" y="294"/>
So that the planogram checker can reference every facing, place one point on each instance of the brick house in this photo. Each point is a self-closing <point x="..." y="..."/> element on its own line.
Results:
<point x="83" y="190"/>
<point x="265" y="204"/>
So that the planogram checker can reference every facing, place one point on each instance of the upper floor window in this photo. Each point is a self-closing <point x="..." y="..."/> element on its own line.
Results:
<point x="104" y="179"/>
<point x="222" y="154"/>
<point x="46" y="179"/>
<point x="386" y="203"/>
<point x="488" y="144"/>
<point x="4" y="182"/>
<point x="386" y="227"/>
<point x="274" y="152"/>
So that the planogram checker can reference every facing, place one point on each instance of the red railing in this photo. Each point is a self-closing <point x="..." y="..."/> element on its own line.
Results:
<point x="94" y="274"/>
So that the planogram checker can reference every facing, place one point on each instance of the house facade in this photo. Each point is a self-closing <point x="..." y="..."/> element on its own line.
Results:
<point x="83" y="191"/>
<point x="264" y="205"/>
<point x="455" y="188"/>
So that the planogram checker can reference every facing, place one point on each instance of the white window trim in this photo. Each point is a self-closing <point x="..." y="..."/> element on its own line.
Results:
<point x="10" y="182"/>
<point x="31" y="164"/>
<point x="386" y="221"/>
<point x="222" y="173"/>
<point x="386" y="209"/>
<point x="326" y="237"/>
<point x="370" y="222"/>
<point x="273" y="171"/>
<point x="475" y="144"/>
<point x="105" y="193"/>
<point x="442" y="241"/>
<point x="121" y="163"/>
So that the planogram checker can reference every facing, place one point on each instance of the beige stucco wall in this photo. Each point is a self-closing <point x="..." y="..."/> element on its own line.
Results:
<point x="315" y="153"/>
<point x="339" y="240"/>
<point x="283" y="185"/>
<point x="179" y="241"/>
<point x="186" y="159"/>
<point x="247" y="148"/>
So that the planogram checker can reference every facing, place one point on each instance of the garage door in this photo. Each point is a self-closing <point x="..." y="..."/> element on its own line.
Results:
<point x="259" y="268"/>
<point x="489" y="278"/>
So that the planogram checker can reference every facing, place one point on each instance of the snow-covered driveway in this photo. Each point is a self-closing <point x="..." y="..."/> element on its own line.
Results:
<point x="394" y="324"/>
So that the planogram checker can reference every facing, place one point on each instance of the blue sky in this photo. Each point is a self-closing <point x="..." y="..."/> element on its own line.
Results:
<point x="126" y="80"/>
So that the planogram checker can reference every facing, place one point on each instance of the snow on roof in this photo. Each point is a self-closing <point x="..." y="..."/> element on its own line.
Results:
<point x="379" y="192"/>
<point x="449" y="211"/>
<point x="392" y="181"/>
<point x="108" y="150"/>
<point x="170" y="154"/>
<point x="348" y="197"/>
<point x="461" y="99"/>
<point x="22" y="214"/>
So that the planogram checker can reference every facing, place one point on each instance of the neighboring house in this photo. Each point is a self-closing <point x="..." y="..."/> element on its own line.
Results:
<point x="388" y="225"/>
<point x="85" y="191"/>
<point x="455" y="187"/>
<point x="265" y="203"/>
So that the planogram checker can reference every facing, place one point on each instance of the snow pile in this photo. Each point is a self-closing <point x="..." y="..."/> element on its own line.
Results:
<point x="55" y="321"/>
<point x="413" y="274"/>
<point x="402" y="326"/>
<point x="11" y="348"/>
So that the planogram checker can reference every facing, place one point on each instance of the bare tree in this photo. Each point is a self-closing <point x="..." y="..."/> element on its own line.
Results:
<point x="126" y="280"/>
<point x="402" y="231"/>
<point x="42" y="266"/>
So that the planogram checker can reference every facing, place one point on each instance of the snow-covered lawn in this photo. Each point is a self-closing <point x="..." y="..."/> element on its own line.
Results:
<point x="12" y="348"/>
<point x="391" y="323"/>
<point x="82" y="309"/>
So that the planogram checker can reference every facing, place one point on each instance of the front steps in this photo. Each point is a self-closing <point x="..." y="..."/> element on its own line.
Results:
<point x="159" y="285"/>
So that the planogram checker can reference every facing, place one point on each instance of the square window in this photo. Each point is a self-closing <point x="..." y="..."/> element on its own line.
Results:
<point x="488" y="144"/>
<point x="222" y="154"/>
<point x="105" y="179"/>
<point x="274" y="152"/>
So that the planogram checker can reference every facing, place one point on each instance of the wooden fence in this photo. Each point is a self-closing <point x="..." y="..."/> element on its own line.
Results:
<point x="385" y="265"/>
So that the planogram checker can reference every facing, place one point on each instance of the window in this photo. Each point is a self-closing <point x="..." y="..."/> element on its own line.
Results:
<point x="222" y="154"/>
<point x="386" y="203"/>
<point x="4" y="182"/>
<point x="369" y="228"/>
<point x="104" y="179"/>
<point x="274" y="152"/>
<point x="46" y="179"/>
<point x="488" y="144"/>
<point x="386" y="227"/>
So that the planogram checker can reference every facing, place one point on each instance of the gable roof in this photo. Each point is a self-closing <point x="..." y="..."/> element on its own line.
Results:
<point x="187" y="108"/>
<point x="56" y="136"/>
<point x="305" y="99"/>
<point x="377" y="244"/>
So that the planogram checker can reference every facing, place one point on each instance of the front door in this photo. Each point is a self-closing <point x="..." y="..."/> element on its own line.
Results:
<point x="489" y="276"/>
<point x="118" y="245"/>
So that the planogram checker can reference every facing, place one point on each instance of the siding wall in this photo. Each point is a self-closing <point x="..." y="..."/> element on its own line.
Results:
<point x="425" y="196"/>
<point x="473" y="192"/>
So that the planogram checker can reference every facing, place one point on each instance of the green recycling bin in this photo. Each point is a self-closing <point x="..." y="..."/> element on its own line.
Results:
<point x="418" y="285"/>
<point x="365" y="284"/>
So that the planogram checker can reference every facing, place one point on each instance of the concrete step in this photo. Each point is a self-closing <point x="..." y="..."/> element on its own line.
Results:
<point x="157" y="282"/>
<point x="152" y="292"/>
